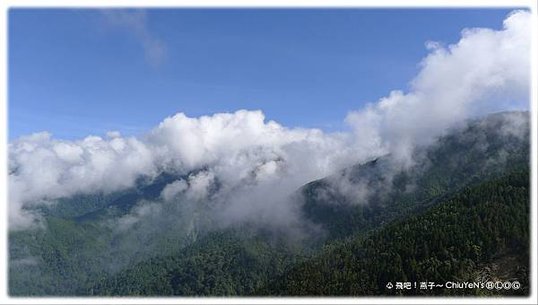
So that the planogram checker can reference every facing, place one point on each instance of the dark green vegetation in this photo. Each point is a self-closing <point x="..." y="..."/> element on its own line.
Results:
<point x="220" y="264"/>
<point x="459" y="212"/>
<point x="479" y="151"/>
<point x="449" y="242"/>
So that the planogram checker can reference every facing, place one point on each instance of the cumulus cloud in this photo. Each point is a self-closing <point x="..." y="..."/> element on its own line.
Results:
<point x="485" y="71"/>
<point x="233" y="148"/>
<point x="42" y="168"/>
<point x="244" y="168"/>
<point x="136" y="23"/>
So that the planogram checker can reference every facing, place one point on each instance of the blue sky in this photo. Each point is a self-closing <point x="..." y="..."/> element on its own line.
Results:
<point x="80" y="72"/>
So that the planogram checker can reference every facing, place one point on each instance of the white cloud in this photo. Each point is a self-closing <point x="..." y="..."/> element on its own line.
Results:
<point x="141" y="211"/>
<point x="200" y="185"/>
<point x="238" y="140"/>
<point x="256" y="163"/>
<point x="233" y="148"/>
<point x="173" y="189"/>
<point x="486" y="71"/>
<point x="45" y="168"/>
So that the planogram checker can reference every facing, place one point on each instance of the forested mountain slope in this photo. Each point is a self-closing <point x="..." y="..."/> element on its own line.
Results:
<point x="458" y="208"/>
<point x="368" y="195"/>
<point x="449" y="242"/>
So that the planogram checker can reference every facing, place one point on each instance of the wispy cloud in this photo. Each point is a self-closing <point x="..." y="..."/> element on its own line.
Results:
<point x="136" y="23"/>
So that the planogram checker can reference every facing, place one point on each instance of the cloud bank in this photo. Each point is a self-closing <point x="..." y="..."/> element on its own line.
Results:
<point x="257" y="163"/>
<point x="485" y="71"/>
